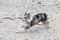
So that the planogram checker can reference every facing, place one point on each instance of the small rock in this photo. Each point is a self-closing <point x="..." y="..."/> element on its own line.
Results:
<point x="39" y="2"/>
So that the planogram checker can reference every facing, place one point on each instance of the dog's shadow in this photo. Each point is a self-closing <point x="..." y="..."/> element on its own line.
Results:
<point x="38" y="29"/>
<point x="34" y="30"/>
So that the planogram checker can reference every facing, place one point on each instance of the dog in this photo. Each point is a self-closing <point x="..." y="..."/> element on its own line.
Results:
<point x="35" y="19"/>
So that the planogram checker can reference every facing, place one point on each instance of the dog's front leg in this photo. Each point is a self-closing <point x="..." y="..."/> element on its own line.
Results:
<point x="26" y="28"/>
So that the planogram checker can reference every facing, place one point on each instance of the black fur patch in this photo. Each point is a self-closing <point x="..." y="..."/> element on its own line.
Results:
<point x="42" y="16"/>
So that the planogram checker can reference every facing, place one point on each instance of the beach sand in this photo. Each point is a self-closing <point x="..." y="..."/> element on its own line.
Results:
<point x="9" y="29"/>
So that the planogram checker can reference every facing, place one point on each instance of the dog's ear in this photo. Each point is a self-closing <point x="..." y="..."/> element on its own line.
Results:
<point x="25" y="13"/>
<point x="29" y="14"/>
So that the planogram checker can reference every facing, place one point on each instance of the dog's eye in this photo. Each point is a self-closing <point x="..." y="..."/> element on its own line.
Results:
<point x="34" y="18"/>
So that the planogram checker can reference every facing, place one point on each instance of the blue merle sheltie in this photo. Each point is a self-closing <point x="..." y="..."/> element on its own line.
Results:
<point x="35" y="19"/>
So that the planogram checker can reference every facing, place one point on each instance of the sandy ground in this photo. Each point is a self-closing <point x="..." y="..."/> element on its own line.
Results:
<point x="16" y="8"/>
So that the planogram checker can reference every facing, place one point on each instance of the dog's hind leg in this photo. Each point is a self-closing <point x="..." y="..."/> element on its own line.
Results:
<point x="39" y="24"/>
<point x="46" y="23"/>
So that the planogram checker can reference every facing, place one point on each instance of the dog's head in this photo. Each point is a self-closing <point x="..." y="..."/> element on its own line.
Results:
<point x="27" y="17"/>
